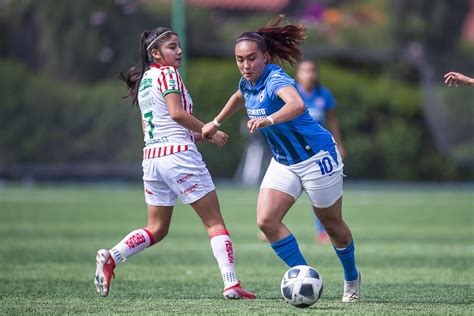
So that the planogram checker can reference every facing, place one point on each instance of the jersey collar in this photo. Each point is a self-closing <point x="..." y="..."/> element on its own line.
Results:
<point x="155" y="65"/>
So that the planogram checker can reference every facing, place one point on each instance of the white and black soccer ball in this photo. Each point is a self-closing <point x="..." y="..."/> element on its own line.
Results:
<point x="301" y="286"/>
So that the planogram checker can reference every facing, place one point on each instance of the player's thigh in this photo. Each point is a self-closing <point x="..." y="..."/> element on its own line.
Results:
<point x="272" y="206"/>
<point x="156" y="190"/>
<point x="331" y="215"/>
<point x="279" y="190"/>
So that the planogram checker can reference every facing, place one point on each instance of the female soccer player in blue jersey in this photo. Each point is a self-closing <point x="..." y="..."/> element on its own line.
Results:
<point x="305" y="156"/>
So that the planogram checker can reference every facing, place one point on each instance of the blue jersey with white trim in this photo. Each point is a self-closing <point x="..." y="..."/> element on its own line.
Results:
<point x="293" y="141"/>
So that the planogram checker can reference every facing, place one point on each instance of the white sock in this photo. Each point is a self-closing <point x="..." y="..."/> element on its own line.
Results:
<point x="224" y="253"/>
<point x="134" y="242"/>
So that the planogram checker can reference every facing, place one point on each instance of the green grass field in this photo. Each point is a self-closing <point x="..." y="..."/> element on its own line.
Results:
<point x="414" y="247"/>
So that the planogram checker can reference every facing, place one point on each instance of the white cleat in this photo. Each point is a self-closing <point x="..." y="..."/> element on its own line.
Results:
<point x="352" y="291"/>
<point x="104" y="272"/>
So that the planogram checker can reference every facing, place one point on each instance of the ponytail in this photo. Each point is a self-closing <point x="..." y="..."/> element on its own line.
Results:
<point x="148" y="40"/>
<point x="283" y="43"/>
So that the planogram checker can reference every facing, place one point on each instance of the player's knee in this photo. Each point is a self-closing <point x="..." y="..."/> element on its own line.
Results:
<point x="159" y="232"/>
<point x="266" y="224"/>
<point x="339" y="232"/>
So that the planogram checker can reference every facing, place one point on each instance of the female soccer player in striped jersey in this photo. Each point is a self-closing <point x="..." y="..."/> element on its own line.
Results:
<point x="172" y="166"/>
<point x="305" y="156"/>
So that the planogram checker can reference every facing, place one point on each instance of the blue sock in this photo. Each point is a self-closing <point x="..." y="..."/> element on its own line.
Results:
<point x="287" y="249"/>
<point x="347" y="258"/>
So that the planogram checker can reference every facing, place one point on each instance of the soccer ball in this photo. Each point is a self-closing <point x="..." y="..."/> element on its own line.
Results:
<point x="301" y="286"/>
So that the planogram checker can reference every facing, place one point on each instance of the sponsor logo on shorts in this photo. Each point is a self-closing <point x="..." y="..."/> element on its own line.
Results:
<point x="135" y="240"/>
<point x="190" y="189"/>
<point x="186" y="177"/>
<point x="148" y="191"/>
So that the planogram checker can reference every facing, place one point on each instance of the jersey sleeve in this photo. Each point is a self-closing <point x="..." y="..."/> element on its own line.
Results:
<point x="330" y="102"/>
<point x="169" y="81"/>
<point x="276" y="82"/>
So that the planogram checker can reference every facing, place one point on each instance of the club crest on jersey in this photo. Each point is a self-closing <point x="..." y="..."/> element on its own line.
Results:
<point x="262" y="95"/>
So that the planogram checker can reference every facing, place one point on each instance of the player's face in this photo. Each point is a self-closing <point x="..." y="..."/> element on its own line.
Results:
<point x="169" y="53"/>
<point x="250" y="60"/>
<point x="306" y="74"/>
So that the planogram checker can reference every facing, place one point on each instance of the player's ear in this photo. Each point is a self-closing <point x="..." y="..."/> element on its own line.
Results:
<point x="156" y="54"/>
<point x="266" y="58"/>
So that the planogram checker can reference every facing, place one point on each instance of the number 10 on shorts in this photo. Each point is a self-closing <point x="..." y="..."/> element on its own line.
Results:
<point x="325" y="165"/>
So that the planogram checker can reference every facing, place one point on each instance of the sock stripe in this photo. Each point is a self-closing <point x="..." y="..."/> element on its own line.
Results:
<point x="150" y="235"/>
<point x="219" y="233"/>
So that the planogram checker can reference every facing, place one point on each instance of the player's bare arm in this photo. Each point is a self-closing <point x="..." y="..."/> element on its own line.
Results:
<point x="294" y="106"/>
<point x="178" y="114"/>
<point x="235" y="103"/>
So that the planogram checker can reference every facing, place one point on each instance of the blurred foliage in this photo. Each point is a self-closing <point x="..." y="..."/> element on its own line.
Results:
<point x="60" y="102"/>
<point x="76" y="40"/>
<point x="45" y="120"/>
<point x="60" y="123"/>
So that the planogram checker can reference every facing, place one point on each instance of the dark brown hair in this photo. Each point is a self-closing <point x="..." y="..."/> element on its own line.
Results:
<point x="148" y="40"/>
<point x="282" y="43"/>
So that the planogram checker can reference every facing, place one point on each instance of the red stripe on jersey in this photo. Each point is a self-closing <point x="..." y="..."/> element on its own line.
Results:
<point x="185" y="104"/>
<point x="159" y="152"/>
<point x="149" y="152"/>
<point x="159" y="85"/>
<point x="154" y="151"/>
<point x="165" y="83"/>
<point x="180" y="88"/>
<point x="171" y="150"/>
<point x="164" y="151"/>
<point x="186" y="147"/>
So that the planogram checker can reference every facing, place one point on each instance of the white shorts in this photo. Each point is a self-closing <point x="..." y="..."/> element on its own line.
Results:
<point x="319" y="176"/>
<point x="183" y="174"/>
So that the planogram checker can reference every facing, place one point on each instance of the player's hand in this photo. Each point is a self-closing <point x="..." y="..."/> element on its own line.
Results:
<point x="197" y="138"/>
<point x="455" y="78"/>
<point x="257" y="123"/>
<point x="208" y="130"/>
<point x="219" y="138"/>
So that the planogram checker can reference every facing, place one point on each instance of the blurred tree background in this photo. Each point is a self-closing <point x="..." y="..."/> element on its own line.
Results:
<point x="62" y="114"/>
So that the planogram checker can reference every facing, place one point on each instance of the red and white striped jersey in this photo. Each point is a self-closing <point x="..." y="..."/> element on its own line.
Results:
<point x="159" y="129"/>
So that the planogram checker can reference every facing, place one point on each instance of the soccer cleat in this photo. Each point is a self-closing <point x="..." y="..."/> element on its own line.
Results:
<point x="104" y="272"/>
<point x="236" y="292"/>
<point x="352" y="291"/>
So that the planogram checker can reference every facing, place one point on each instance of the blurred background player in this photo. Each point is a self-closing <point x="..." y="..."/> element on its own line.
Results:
<point x="456" y="78"/>
<point x="305" y="156"/>
<point x="321" y="106"/>
<point x="172" y="166"/>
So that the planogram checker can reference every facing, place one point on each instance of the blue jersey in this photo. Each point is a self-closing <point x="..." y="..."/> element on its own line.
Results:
<point x="293" y="141"/>
<point x="318" y="101"/>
